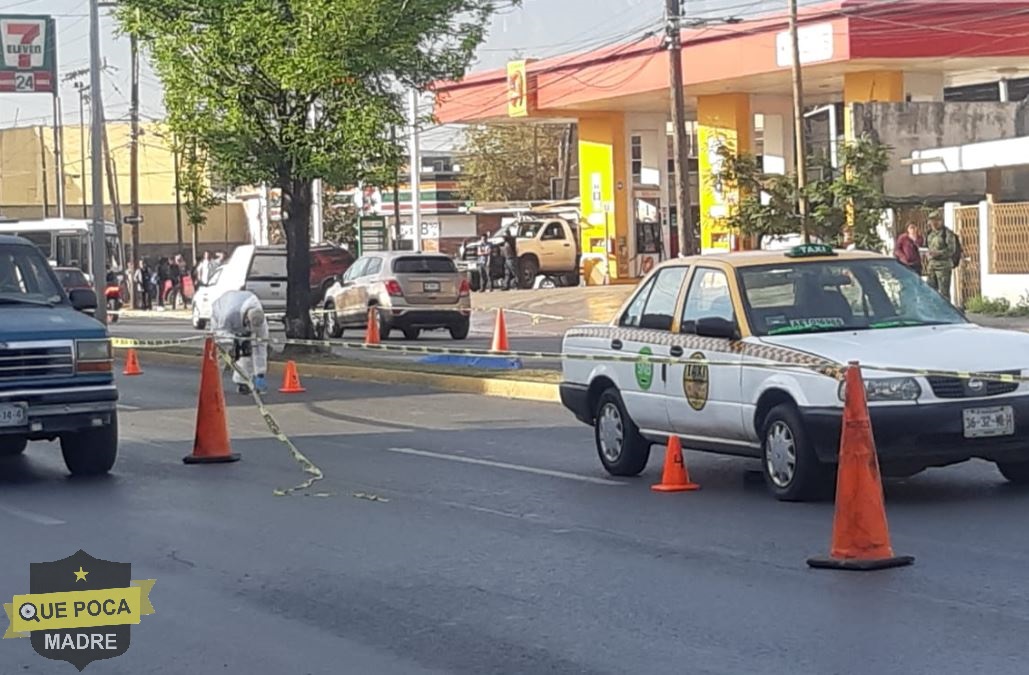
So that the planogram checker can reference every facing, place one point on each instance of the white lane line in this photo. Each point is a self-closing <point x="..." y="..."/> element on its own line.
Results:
<point x="125" y="406"/>
<point x="37" y="518"/>
<point x="505" y="465"/>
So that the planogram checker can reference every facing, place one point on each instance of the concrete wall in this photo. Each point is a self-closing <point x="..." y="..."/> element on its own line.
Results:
<point x="906" y="127"/>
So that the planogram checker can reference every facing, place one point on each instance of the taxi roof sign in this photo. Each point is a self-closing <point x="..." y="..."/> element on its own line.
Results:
<point x="810" y="251"/>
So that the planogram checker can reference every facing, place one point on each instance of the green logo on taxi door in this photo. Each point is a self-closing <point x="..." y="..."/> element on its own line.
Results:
<point x="645" y="370"/>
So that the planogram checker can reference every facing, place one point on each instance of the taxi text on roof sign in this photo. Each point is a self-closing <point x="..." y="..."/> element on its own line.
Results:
<point x="810" y="251"/>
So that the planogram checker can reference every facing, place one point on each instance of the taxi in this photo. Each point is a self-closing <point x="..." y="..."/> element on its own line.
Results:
<point x="763" y="336"/>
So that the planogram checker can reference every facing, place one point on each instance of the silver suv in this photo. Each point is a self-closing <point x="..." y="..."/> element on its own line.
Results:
<point x="413" y="291"/>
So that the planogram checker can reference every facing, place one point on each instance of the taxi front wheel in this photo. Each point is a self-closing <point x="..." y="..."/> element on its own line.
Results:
<point x="622" y="450"/>
<point x="791" y="468"/>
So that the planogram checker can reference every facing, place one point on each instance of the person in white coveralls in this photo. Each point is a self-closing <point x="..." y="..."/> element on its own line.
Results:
<point x="239" y="315"/>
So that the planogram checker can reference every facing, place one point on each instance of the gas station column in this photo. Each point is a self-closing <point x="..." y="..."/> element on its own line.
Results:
<point x="723" y="120"/>
<point x="603" y="194"/>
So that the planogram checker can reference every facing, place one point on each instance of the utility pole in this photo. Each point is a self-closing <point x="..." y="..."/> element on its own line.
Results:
<point x="81" y="88"/>
<point x="58" y="154"/>
<point x="683" y="207"/>
<point x="112" y="181"/>
<point x="416" y="174"/>
<point x="178" y="193"/>
<point x="42" y="158"/>
<point x="98" y="261"/>
<point x="135" y="218"/>
<point x="566" y="161"/>
<point x="396" y="195"/>
<point x="800" y="147"/>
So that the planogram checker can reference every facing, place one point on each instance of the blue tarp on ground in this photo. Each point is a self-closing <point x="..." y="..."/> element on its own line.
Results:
<point x="482" y="362"/>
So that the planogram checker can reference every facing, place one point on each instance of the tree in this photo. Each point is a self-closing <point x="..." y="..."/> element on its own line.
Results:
<point x="847" y="200"/>
<point x="287" y="91"/>
<point x="194" y="185"/>
<point x="510" y="162"/>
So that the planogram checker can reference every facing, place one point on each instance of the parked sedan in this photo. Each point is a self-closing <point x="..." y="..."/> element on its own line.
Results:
<point x="413" y="291"/>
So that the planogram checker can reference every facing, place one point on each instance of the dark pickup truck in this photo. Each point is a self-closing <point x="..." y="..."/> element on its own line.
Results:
<point x="56" y="366"/>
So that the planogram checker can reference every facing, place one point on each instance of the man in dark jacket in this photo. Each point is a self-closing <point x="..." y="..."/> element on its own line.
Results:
<point x="510" y="252"/>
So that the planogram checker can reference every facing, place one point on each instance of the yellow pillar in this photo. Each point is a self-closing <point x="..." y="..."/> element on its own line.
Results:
<point x="884" y="86"/>
<point x="723" y="120"/>
<point x="603" y="193"/>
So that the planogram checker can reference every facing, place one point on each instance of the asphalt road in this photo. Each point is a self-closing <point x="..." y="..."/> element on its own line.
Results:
<point x="522" y="336"/>
<point x="503" y="548"/>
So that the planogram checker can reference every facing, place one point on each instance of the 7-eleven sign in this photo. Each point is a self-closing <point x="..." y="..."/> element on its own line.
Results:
<point x="28" y="50"/>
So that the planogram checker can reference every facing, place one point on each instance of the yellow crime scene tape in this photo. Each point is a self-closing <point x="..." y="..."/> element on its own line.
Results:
<point x="835" y="370"/>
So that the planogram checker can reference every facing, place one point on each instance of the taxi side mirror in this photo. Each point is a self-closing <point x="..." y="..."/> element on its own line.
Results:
<point x="717" y="327"/>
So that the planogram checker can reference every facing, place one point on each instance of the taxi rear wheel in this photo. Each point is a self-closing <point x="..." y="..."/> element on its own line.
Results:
<point x="791" y="468"/>
<point x="622" y="450"/>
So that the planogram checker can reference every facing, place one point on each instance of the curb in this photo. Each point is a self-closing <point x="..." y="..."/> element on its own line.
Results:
<point x="513" y="389"/>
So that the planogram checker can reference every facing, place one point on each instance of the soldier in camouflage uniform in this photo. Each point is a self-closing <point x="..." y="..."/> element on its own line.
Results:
<point x="942" y="245"/>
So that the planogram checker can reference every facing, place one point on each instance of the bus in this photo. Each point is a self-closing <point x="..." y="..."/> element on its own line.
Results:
<point x="66" y="241"/>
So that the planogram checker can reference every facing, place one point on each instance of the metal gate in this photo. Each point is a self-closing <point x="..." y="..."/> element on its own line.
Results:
<point x="968" y="279"/>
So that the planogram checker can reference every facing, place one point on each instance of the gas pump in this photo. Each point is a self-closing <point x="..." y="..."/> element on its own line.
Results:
<point x="649" y="244"/>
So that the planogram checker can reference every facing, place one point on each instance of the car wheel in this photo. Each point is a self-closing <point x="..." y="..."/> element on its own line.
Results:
<point x="91" y="452"/>
<point x="198" y="323"/>
<point x="622" y="450"/>
<point x="13" y="445"/>
<point x="412" y="333"/>
<point x="333" y="326"/>
<point x="791" y="468"/>
<point x="461" y="329"/>
<point x="384" y="328"/>
<point x="529" y="268"/>
<point x="1015" y="472"/>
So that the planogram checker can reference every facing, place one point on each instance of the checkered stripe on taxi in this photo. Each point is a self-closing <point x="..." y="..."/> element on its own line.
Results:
<point x="770" y="353"/>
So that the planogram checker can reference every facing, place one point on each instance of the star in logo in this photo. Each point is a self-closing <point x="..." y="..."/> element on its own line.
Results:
<point x="80" y="575"/>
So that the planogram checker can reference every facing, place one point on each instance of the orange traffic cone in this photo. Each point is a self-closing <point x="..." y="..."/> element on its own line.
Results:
<point x="291" y="380"/>
<point x="500" y="333"/>
<point x="211" y="443"/>
<point x="371" y="336"/>
<point x="675" y="477"/>
<point x="132" y="363"/>
<point x="860" y="535"/>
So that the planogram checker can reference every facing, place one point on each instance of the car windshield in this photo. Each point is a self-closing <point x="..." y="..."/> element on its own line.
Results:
<point x="812" y="297"/>
<point x="72" y="278"/>
<point x="25" y="277"/>
<point x="424" y="265"/>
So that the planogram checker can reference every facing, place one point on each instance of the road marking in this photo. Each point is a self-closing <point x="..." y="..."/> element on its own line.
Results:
<point x="505" y="465"/>
<point x="37" y="518"/>
<point x="125" y="406"/>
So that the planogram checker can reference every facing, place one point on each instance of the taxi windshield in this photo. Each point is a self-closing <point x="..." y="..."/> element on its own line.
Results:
<point x="839" y="295"/>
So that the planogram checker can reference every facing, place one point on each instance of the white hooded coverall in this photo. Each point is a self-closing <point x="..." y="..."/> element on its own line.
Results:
<point x="238" y="314"/>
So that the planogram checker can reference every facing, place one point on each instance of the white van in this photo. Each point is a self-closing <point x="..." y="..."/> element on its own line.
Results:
<point x="259" y="269"/>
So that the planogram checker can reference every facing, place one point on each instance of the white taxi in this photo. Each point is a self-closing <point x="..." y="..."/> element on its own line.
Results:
<point x="762" y="337"/>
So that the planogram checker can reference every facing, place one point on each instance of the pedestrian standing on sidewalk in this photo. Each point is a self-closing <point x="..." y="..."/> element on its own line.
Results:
<point x="484" y="258"/>
<point x="163" y="281"/>
<point x="510" y="251"/>
<point x="906" y="249"/>
<point x="942" y="244"/>
<point x="205" y="269"/>
<point x="141" y="280"/>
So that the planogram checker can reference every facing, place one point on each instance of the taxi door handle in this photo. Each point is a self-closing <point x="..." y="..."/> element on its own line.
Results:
<point x="675" y="351"/>
<point x="616" y="344"/>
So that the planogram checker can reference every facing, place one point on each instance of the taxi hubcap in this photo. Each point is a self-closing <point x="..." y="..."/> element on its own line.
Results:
<point x="610" y="432"/>
<point x="781" y="454"/>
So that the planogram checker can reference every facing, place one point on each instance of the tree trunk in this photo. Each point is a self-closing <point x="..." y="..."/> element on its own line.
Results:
<point x="296" y="224"/>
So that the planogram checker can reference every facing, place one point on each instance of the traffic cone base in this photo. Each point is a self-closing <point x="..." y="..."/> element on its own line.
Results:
<point x="675" y="477"/>
<point x="132" y="363"/>
<point x="500" y="333"/>
<point x="860" y="534"/>
<point x="291" y="380"/>
<point x="211" y="442"/>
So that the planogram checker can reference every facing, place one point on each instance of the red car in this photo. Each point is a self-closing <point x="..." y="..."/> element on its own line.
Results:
<point x="328" y="262"/>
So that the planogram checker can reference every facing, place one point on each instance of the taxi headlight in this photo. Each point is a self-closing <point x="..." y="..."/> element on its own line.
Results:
<point x="889" y="389"/>
<point x="93" y="350"/>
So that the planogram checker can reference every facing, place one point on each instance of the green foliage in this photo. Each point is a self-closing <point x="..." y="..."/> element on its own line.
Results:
<point x="510" y="162"/>
<point x="339" y="218"/>
<point x="286" y="91"/>
<point x="194" y="183"/>
<point x="857" y="183"/>
<point x="998" y="306"/>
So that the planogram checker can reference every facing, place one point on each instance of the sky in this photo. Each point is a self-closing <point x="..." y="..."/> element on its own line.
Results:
<point x="539" y="28"/>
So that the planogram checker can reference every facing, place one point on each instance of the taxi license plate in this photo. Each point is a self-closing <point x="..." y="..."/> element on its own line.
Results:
<point x="989" y="422"/>
<point x="431" y="286"/>
<point x="12" y="415"/>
